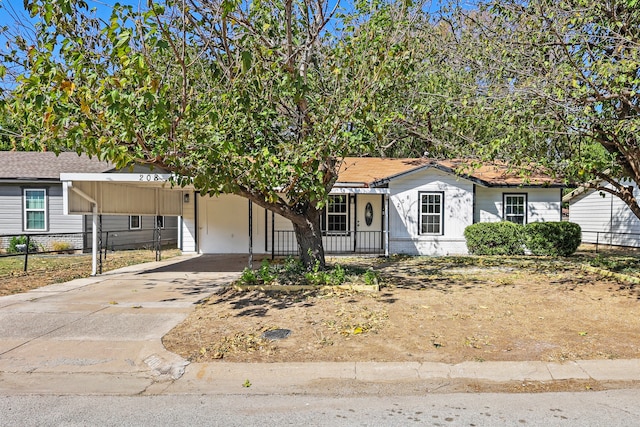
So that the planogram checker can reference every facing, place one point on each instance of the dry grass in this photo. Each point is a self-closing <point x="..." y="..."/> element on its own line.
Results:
<point x="449" y="309"/>
<point x="44" y="270"/>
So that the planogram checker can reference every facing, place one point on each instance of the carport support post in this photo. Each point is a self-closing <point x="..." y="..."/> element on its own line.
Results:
<point x="94" y="241"/>
<point x="100" y="244"/>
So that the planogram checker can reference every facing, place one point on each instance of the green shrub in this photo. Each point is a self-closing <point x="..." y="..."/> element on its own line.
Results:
<point x="266" y="272"/>
<point x="495" y="238"/>
<point x="317" y="277"/>
<point x="371" y="277"/>
<point x="293" y="266"/>
<point x="552" y="238"/>
<point x="16" y="242"/>
<point x="248" y="277"/>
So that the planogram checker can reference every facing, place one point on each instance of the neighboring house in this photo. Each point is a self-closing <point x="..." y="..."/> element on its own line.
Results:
<point x="378" y="206"/>
<point x="31" y="202"/>
<point x="603" y="217"/>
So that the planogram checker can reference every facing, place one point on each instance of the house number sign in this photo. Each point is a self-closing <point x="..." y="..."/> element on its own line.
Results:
<point x="368" y="214"/>
<point x="149" y="177"/>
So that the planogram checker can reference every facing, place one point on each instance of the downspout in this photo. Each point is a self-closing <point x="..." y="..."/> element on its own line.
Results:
<point x="94" y="229"/>
<point x="250" y="234"/>
<point x="561" y="206"/>
<point x="355" y="220"/>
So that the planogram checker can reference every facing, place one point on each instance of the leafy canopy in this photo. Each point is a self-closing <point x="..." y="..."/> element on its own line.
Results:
<point x="260" y="99"/>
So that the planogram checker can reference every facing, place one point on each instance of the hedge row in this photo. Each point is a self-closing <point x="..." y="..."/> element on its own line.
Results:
<point x="507" y="238"/>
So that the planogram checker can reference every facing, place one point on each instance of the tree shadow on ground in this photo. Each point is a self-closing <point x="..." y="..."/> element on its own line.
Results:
<point x="257" y="303"/>
<point x="447" y="275"/>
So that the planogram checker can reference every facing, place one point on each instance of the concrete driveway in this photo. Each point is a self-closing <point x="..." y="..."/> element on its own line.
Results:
<point x="110" y="325"/>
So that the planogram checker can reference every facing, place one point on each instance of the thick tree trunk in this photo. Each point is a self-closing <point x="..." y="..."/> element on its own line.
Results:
<point x="305" y="218"/>
<point x="309" y="237"/>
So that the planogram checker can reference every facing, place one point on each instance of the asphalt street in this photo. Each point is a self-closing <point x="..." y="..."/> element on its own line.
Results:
<point x="585" y="409"/>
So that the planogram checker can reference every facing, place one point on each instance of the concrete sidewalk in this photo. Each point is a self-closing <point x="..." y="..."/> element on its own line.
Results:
<point x="102" y="335"/>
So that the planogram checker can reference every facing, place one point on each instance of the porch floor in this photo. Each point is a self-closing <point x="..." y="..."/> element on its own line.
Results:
<point x="214" y="263"/>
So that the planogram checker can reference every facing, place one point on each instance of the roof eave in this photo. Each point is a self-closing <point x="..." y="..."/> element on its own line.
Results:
<point x="24" y="180"/>
<point x="545" y="185"/>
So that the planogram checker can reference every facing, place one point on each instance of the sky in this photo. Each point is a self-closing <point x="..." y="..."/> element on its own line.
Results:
<point x="12" y="9"/>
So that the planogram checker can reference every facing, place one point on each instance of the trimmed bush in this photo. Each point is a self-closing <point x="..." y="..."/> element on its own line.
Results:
<point x="495" y="238"/>
<point x="552" y="238"/>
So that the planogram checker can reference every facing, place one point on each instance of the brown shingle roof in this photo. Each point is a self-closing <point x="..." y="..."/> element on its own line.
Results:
<point x="46" y="165"/>
<point x="372" y="171"/>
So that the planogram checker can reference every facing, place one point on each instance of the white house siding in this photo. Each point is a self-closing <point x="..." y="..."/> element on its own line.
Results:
<point x="605" y="219"/>
<point x="543" y="204"/>
<point x="404" y="236"/>
<point x="58" y="224"/>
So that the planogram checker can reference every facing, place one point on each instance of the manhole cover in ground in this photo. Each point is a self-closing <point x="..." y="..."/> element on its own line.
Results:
<point x="276" y="334"/>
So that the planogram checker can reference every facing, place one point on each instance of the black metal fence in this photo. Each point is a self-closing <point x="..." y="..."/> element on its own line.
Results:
<point x="26" y="245"/>
<point x="352" y="242"/>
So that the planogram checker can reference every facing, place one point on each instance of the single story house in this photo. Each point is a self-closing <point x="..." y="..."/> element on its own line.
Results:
<point x="378" y="205"/>
<point x="603" y="217"/>
<point x="31" y="203"/>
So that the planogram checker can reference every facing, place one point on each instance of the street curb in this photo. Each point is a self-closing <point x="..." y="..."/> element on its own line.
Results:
<point x="228" y="377"/>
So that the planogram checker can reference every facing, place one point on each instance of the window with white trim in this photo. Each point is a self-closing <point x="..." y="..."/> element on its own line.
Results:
<point x="337" y="219"/>
<point x="431" y="211"/>
<point x="515" y="208"/>
<point x="35" y="209"/>
<point x="135" y="222"/>
<point x="160" y="221"/>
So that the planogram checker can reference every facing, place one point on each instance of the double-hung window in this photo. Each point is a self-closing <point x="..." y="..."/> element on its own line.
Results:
<point x="515" y="208"/>
<point x="160" y="221"/>
<point x="431" y="211"/>
<point x="135" y="222"/>
<point x="35" y="209"/>
<point x="337" y="214"/>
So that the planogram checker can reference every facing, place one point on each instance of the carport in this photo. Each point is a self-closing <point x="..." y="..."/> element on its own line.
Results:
<point x="133" y="193"/>
<point x="226" y="224"/>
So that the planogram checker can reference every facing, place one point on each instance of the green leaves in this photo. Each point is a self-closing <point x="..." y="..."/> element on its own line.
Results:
<point x="246" y="61"/>
<point x="261" y="99"/>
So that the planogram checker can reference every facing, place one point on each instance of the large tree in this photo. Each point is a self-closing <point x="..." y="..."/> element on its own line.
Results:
<point x="559" y="82"/>
<point x="261" y="99"/>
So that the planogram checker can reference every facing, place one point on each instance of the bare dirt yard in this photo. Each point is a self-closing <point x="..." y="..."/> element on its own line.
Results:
<point x="47" y="269"/>
<point x="449" y="309"/>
